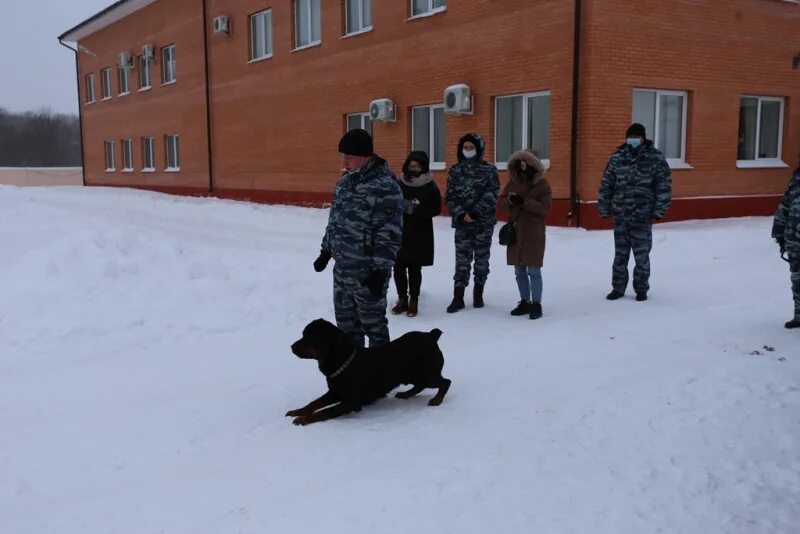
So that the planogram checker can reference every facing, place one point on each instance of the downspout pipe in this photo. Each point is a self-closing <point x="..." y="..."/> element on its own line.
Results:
<point x="574" y="204"/>
<point x="80" y="107"/>
<point x="208" y="99"/>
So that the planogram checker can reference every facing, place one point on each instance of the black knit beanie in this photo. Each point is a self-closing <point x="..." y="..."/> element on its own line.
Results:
<point x="636" y="130"/>
<point x="356" y="143"/>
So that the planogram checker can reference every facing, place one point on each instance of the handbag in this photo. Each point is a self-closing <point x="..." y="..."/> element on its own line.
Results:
<point x="508" y="232"/>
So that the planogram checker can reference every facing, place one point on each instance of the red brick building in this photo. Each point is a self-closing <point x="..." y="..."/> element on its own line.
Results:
<point x="248" y="98"/>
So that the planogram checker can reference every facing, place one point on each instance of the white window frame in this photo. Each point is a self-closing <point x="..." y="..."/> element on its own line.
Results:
<point x="127" y="155"/>
<point x="428" y="12"/>
<point x="90" y="95"/>
<point x="165" y="65"/>
<point x="434" y="165"/>
<point x="361" y="27"/>
<point x="148" y="142"/>
<point x="764" y="162"/>
<point x="123" y="74"/>
<point x="362" y="121"/>
<point x="674" y="163"/>
<point x="109" y="149"/>
<point x="264" y="15"/>
<point x="105" y="83"/>
<point x="172" y="145"/>
<point x="144" y="68"/>
<point x="312" y="42"/>
<point x="503" y="165"/>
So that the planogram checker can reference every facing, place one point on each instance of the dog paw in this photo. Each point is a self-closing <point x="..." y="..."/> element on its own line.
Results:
<point x="435" y="402"/>
<point x="303" y="420"/>
<point x="294" y="413"/>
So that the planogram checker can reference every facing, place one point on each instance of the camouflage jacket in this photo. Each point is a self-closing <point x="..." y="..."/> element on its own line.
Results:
<point x="780" y="228"/>
<point x="365" y="224"/>
<point x="636" y="185"/>
<point x="792" y="231"/>
<point x="473" y="187"/>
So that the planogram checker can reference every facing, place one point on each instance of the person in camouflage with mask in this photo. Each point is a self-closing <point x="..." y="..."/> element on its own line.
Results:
<point x="636" y="189"/>
<point x="471" y="198"/>
<point x="363" y="237"/>
<point x="786" y="232"/>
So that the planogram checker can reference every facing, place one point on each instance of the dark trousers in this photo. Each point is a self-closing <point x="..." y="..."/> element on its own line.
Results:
<point x="405" y="274"/>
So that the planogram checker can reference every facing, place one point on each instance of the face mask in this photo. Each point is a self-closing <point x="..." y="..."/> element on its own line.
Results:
<point x="469" y="154"/>
<point x="414" y="174"/>
<point x="634" y="142"/>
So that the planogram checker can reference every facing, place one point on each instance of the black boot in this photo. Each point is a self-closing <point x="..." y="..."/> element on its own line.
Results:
<point x="523" y="308"/>
<point x="536" y="310"/>
<point x="614" y="295"/>
<point x="477" y="296"/>
<point x="641" y="296"/>
<point x="794" y="323"/>
<point x="458" y="300"/>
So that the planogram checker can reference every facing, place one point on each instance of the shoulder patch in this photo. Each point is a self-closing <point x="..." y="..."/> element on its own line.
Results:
<point x="388" y="207"/>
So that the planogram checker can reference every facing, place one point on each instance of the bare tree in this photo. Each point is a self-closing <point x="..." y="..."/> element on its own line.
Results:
<point x="39" y="139"/>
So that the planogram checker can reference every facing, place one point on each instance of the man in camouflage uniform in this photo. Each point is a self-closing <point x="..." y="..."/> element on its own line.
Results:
<point x="363" y="237"/>
<point x="786" y="232"/>
<point x="471" y="198"/>
<point x="635" y="190"/>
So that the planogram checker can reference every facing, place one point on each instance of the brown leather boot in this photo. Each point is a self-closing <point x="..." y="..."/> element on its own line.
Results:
<point x="401" y="306"/>
<point x="413" y="307"/>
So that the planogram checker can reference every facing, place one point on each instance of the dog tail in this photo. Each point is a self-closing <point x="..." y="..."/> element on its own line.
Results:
<point x="436" y="333"/>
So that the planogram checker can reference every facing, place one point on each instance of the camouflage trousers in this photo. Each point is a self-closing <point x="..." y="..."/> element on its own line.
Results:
<point x="638" y="237"/>
<point x="473" y="244"/>
<point x="358" y="313"/>
<point x="796" y="293"/>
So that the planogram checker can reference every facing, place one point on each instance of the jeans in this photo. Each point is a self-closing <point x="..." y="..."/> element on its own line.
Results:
<point x="529" y="281"/>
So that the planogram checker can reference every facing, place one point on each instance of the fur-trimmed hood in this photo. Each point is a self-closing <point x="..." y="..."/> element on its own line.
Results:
<point x="422" y="179"/>
<point x="533" y="171"/>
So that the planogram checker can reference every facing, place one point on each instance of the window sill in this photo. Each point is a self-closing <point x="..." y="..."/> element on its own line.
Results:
<point x="678" y="165"/>
<point x="427" y="14"/>
<point x="356" y="33"/>
<point x="127" y="170"/>
<point x="126" y="93"/>
<point x="260" y="59"/>
<point x="105" y="98"/>
<point x="438" y="166"/>
<point x="149" y="169"/>
<point x="111" y="170"/>
<point x="172" y="169"/>
<point x="90" y="103"/>
<point x="143" y="89"/>
<point x="169" y="83"/>
<point x="503" y="165"/>
<point x="761" y="164"/>
<point x="310" y="45"/>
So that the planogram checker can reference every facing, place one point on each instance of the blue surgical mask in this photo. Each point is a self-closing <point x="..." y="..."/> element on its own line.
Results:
<point x="469" y="154"/>
<point x="634" y="142"/>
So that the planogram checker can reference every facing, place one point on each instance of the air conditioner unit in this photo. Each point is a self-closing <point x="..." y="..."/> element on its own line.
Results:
<point x="382" y="110"/>
<point x="458" y="99"/>
<point x="125" y="60"/>
<point x="222" y="25"/>
<point x="148" y="52"/>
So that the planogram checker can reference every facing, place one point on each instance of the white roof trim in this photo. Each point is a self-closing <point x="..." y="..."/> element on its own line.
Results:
<point x="104" y="18"/>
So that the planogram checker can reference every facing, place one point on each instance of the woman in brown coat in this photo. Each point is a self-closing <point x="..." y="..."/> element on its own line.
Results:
<point x="526" y="198"/>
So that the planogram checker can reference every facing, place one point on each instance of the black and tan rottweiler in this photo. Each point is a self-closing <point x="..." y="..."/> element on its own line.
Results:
<point x="359" y="376"/>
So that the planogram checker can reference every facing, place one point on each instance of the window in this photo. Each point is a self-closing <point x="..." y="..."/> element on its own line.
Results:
<point x="109" y="146"/>
<point x="90" y="88"/>
<point x="144" y="73"/>
<point x="127" y="155"/>
<point x="148" y="154"/>
<point x="522" y="121"/>
<point x="261" y="35"/>
<point x="168" y="74"/>
<point x="123" y="81"/>
<point x="427" y="133"/>
<point x="663" y="114"/>
<point x="760" y="131"/>
<point x="358" y="16"/>
<point x="359" y="120"/>
<point x="105" y="83"/>
<point x="425" y="7"/>
<point x="307" y="23"/>
<point x="171" y="149"/>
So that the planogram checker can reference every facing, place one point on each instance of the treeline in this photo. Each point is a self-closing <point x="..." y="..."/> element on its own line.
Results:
<point x="39" y="139"/>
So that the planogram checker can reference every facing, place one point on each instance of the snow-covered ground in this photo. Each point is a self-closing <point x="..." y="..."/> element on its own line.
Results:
<point x="145" y="373"/>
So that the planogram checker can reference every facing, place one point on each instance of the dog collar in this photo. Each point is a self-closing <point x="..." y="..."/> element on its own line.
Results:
<point x="341" y="369"/>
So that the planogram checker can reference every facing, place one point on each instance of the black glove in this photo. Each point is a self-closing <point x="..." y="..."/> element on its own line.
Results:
<point x="322" y="261"/>
<point x="474" y="215"/>
<point x="375" y="281"/>
<point x="460" y="218"/>
<point x="515" y="199"/>
<point x="781" y="244"/>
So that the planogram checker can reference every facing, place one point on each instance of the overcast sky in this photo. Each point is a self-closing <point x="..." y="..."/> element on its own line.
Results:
<point x="36" y="70"/>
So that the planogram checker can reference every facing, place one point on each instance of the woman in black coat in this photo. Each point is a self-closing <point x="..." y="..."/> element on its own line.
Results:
<point x="422" y="202"/>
